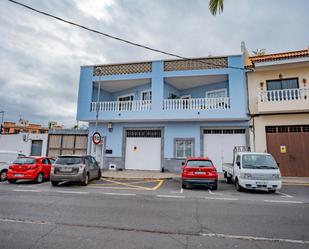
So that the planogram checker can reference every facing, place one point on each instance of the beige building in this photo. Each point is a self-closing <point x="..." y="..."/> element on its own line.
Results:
<point x="278" y="88"/>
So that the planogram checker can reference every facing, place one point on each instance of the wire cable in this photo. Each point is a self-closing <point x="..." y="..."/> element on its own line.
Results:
<point x="121" y="39"/>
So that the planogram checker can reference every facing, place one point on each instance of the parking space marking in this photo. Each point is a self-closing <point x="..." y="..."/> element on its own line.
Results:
<point x="71" y="192"/>
<point x="27" y="190"/>
<point x="125" y="194"/>
<point x="279" y="201"/>
<point x="132" y="186"/>
<point x="212" y="193"/>
<point x="221" y="199"/>
<point x="171" y="196"/>
<point x="284" y="195"/>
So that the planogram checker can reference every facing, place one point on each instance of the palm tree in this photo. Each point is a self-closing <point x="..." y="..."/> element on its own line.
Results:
<point x="216" y="6"/>
<point x="259" y="51"/>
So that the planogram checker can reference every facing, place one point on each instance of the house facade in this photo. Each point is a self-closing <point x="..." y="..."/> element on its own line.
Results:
<point x="152" y="115"/>
<point x="279" y="108"/>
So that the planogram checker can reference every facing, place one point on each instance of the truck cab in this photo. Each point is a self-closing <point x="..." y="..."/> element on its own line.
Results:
<point x="253" y="170"/>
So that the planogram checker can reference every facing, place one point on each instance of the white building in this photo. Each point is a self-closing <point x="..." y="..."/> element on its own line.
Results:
<point x="25" y="143"/>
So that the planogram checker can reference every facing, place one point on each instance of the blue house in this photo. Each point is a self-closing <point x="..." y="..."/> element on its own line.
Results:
<point x="152" y="115"/>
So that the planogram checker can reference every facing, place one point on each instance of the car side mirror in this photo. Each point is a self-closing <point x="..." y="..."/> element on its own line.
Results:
<point x="238" y="164"/>
<point x="183" y="163"/>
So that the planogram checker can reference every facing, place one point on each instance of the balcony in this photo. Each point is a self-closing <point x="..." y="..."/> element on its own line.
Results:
<point x="197" y="104"/>
<point x="285" y="100"/>
<point x="121" y="106"/>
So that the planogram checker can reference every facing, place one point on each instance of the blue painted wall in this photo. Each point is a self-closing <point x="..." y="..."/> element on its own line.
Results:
<point x="199" y="92"/>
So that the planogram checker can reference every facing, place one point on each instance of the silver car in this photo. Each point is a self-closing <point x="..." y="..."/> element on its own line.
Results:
<point x="74" y="169"/>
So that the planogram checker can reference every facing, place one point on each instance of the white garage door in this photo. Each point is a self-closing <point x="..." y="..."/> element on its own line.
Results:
<point x="143" y="150"/>
<point x="219" y="145"/>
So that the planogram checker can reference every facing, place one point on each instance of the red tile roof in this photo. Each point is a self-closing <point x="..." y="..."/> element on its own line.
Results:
<point x="279" y="56"/>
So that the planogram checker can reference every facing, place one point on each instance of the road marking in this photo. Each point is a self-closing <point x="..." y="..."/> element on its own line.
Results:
<point x="228" y="236"/>
<point x="126" y="194"/>
<point x="212" y="193"/>
<point x="284" y="195"/>
<point x="278" y="201"/>
<point x="171" y="196"/>
<point x="181" y="190"/>
<point x="128" y="185"/>
<point x="27" y="190"/>
<point x="26" y="221"/>
<point x="71" y="192"/>
<point x="222" y="199"/>
<point x="159" y="185"/>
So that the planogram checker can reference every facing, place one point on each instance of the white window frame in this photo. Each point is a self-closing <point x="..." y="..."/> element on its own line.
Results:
<point x="184" y="140"/>
<point x="215" y="91"/>
<point x="126" y="95"/>
<point x="146" y="91"/>
<point x="188" y="96"/>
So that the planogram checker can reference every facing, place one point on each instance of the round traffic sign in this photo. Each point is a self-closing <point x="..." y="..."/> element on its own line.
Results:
<point x="96" y="138"/>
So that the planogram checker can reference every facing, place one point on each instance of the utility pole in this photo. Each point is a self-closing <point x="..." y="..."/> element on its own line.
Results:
<point x="2" y="119"/>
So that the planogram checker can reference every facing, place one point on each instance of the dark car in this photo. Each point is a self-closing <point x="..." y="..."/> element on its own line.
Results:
<point x="75" y="168"/>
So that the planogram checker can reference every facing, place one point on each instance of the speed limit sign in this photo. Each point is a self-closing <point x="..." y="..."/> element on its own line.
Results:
<point x="96" y="138"/>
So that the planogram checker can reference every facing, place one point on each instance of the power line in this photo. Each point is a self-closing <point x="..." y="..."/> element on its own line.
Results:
<point x="120" y="39"/>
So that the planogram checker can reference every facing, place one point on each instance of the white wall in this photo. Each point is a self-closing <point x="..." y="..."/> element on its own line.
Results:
<point x="15" y="142"/>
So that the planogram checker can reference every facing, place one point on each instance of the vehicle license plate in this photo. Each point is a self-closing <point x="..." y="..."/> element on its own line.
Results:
<point x="261" y="183"/>
<point x="199" y="173"/>
<point x="18" y="175"/>
<point x="66" y="169"/>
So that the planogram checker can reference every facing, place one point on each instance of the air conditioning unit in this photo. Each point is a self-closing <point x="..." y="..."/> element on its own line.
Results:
<point x="112" y="166"/>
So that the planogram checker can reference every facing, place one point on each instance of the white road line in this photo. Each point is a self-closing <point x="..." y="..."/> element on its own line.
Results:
<point x="221" y="198"/>
<point x="71" y="192"/>
<point x="212" y="193"/>
<point x="278" y="201"/>
<point x="26" y="221"/>
<point x="181" y="190"/>
<point x="171" y="196"/>
<point x="27" y="190"/>
<point x="125" y="194"/>
<point x="220" y="235"/>
<point x="284" y="195"/>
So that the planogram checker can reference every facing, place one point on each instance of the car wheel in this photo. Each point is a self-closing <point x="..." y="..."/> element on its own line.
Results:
<point x="85" y="181"/>
<point x="3" y="175"/>
<point x="99" y="175"/>
<point x="54" y="183"/>
<point x="214" y="187"/>
<point x="12" y="180"/>
<point x="237" y="186"/>
<point x="40" y="178"/>
<point x="271" y="191"/>
<point x="229" y="180"/>
<point x="183" y="185"/>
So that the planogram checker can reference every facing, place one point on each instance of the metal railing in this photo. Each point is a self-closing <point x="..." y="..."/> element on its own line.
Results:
<point x="283" y="95"/>
<point x="126" y="106"/>
<point x="196" y="104"/>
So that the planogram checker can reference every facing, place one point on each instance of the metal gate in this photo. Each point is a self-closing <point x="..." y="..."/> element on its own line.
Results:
<point x="290" y="147"/>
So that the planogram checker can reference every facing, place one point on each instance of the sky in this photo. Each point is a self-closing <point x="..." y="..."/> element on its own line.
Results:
<point x="40" y="57"/>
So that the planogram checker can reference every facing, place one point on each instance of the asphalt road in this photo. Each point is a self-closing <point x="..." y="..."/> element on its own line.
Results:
<point x="151" y="214"/>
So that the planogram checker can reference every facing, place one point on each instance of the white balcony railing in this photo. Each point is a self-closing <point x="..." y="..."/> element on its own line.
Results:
<point x="126" y="106"/>
<point x="284" y="95"/>
<point x="196" y="104"/>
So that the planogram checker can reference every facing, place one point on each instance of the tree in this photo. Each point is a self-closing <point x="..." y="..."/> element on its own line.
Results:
<point x="216" y="6"/>
<point x="259" y="51"/>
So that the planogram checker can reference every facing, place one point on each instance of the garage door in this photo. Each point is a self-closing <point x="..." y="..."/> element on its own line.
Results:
<point x="290" y="147"/>
<point x="143" y="149"/>
<point x="219" y="144"/>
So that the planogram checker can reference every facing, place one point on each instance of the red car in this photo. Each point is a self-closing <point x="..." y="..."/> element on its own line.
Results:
<point x="30" y="168"/>
<point x="199" y="171"/>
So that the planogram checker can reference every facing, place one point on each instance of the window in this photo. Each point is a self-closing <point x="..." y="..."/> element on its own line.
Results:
<point x="184" y="148"/>
<point x="129" y="97"/>
<point x="281" y="84"/>
<point x="36" y="147"/>
<point x="126" y="106"/>
<point x="220" y="93"/>
<point x="45" y="161"/>
<point x="146" y="95"/>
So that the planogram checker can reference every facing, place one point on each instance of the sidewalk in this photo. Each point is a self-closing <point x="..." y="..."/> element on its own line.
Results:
<point x="296" y="180"/>
<point x="139" y="174"/>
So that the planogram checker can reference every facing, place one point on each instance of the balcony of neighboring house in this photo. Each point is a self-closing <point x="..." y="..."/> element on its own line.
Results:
<point x="282" y="96"/>
<point x="201" y="93"/>
<point x="121" y="96"/>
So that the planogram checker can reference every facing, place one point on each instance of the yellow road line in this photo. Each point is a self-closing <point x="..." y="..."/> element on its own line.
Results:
<point x="296" y="184"/>
<point x="128" y="185"/>
<point x="115" y="187"/>
<point x="159" y="185"/>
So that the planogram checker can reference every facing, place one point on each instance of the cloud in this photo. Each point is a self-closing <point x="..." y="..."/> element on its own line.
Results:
<point x="40" y="58"/>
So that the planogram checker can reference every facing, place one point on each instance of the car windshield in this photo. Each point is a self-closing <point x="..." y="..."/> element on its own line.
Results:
<point x="24" y="160"/>
<point x="68" y="160"/>
<point x="199" y="163"/>
<point x="256" y="161"/>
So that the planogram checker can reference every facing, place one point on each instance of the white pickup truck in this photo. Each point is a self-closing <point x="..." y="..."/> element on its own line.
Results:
<point x="253" y="170"/>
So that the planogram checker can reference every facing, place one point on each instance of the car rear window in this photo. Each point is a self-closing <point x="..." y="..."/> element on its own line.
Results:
<point x="199" y="163"/>
<point x="69" y="160"/>
<point x="24" y="160"/>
